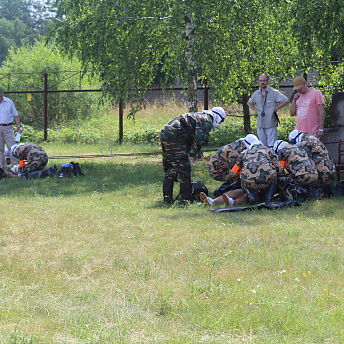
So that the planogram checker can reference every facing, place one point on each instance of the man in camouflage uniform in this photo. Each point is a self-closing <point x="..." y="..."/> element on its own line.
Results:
<point x="259" y="170"/>
<point x="300" y="167"/>
<point x="222" y="162"/>
<point x="318" y="152"/>
<point x="36" y="158"/>
<point x="182" y="139"/>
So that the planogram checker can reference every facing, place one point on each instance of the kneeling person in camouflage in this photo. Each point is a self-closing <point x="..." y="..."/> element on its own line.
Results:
<point x="318" y="152"/>
<point x="222" y="162"/>
<point x="300" y="167"/>
<point x="259" y="170"/>
<point x="34" y="155"/>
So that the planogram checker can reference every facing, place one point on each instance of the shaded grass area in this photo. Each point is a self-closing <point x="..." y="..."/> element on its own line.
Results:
<point x="100" y="259"/>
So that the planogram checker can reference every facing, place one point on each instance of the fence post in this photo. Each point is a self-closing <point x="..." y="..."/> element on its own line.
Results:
<point x="45" y="106"/>
<point x="206" y="94"/>
<point x="120" y="124"/>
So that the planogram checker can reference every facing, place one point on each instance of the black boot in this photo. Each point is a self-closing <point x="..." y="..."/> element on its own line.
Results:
<point x="167" y="189"/>
<point x="269" y="193"/>
<point x="51" y="171"/>
<point x="315" y="194"/>
<point x="251" y="196"/>
<point x="186" y="193"/>
<point x="328" y="190"/>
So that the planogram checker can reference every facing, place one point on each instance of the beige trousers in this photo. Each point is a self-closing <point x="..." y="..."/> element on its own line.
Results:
<point x="6" y="136"/>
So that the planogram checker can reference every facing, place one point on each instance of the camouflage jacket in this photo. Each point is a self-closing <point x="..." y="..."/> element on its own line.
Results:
<point x="193" y="127"/>
<point x="222" y="162"/>
<point x="28" y="151"/>
<point x="297" y="161"/>
<point x="318" y="152"/>
<point x="260" y="167"/>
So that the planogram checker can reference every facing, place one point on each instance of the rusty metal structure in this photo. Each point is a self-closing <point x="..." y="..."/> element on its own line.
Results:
<point x="46" y="89"/>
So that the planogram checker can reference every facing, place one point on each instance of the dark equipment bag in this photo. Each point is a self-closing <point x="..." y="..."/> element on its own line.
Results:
<point x="197" y="188"/>
<point x="70" y="170"/>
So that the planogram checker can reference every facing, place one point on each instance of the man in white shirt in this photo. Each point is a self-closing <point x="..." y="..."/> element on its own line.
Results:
<point x="8" y="114"/>
<point x="268" y="101"/>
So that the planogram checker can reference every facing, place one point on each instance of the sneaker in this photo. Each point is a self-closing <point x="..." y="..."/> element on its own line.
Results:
<point x="228" y="200"/>
<point x="205" y="199"/>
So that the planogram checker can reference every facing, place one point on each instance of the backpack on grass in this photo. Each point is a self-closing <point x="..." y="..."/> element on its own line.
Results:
<point x="70" y="169"/>
<point x="197" y="188"/>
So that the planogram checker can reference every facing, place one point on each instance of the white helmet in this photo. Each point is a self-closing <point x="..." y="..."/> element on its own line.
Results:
<point x="256" y="142"/>
<point x="295" y="137"/>
<point x="248" y="139"/>
<point x="278" y="145"/>
<point x="219" y="116"/>
<point x="13" y="149"/>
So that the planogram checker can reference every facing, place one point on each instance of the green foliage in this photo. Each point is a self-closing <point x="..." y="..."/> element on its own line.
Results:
<point x="247" y="45"/>
<point x="30" y="134"/>
<point x="330" y="83"/>
<point x="318" y="26"/>
<point x="16" y="9"/>
<point x="32" y="62"/>
<point x="22" y="22"/>
<point x="228" y="132"/>
<point x="12" y="34"/>
<point x="230" y="46"/>
<point x="285" y="127"/>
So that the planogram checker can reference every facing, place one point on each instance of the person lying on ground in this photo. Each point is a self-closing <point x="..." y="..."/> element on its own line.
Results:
<point x="232" y="197"/>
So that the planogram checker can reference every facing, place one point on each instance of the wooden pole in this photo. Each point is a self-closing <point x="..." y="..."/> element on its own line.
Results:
<point x="45" y="106"/>
<point x="206" y="94"/>
<point x="120" y="124"/>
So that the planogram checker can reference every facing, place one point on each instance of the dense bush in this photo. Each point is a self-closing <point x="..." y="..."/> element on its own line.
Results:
<point x="331" y="83"/>
<point x="31" y="62"/>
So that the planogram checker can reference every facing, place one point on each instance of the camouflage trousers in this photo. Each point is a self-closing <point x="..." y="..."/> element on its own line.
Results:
<point x="289" y="191"/>
<point x="309" y="180"/>
<point x="326" y="177"/>
<point x="175" y="157"/>
<point x="37" y="161"/>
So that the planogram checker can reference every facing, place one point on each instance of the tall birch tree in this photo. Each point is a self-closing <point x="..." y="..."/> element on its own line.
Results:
<point x="229" y="41"/>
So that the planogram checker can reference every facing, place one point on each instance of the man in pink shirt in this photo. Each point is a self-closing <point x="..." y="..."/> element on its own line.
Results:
<point x="309" y="106"/>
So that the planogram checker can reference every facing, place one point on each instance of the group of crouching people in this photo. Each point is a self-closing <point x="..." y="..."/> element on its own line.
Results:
<point x="300" y="169"/>
<point x="251" y="171"/>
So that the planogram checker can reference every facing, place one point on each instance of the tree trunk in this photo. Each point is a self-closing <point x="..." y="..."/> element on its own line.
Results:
<point x="192" y="68"/>
<point x="246" y="109"/>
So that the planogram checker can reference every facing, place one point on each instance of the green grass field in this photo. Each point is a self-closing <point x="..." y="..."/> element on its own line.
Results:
<point x="101" y="259"/>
